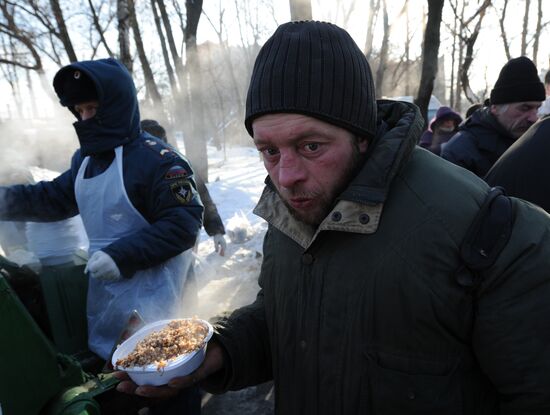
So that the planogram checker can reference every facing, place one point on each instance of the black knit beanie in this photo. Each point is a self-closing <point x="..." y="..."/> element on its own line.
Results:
<point x="74" y="87"/>
<point x="154" y="128"/>
<point x="316" y="69"/>
<point x="518" y="81"/>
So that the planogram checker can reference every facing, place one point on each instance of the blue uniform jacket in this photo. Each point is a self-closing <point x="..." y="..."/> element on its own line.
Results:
<point x="158" y="180"/>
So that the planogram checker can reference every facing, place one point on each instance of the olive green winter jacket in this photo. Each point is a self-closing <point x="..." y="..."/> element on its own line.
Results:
<point x="365" y="315"/>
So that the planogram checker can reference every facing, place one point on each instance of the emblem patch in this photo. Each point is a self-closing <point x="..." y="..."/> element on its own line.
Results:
<point x="176" y="172"/>
<point x="182" y="191"/>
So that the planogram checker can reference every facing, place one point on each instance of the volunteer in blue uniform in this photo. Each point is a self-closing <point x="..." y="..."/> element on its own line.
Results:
<point x="137" y="198"/>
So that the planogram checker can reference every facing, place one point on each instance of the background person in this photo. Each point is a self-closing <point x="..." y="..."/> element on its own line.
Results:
<point x="545" y="107"/>
<point x="140" y="221"/>
<point x="523" y="170"/>
<point x="483" y="137"/>
<point x="442" y="127"/>
<point x="213" y="224"/>
<point x="473" y="108"/>
<point x="362" y="305"/>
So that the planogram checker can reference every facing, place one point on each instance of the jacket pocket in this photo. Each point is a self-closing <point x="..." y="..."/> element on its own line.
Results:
<point x="403" y="385"/>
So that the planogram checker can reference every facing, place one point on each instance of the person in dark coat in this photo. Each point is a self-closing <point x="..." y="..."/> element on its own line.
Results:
<point x="545" y="107"/>
<point x="514" y="101"/>
<point x="524" y="169"/>
<point x="473" y="108"/>
<point x="365" y="304"/>
<point x="213" y="224"/>
<point x="136" y="196"/>
<point x="442" y="127"/>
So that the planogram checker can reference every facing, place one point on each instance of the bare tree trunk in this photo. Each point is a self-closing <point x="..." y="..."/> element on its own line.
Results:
<point x="469" y="57"/>
<point x="34" y="110"/>
<point x="165" y="55"/>
<point x="373" y="13"/>
<point x="300" y="9"/>
<point x="538" y="29"/>
<point x="229" y="65"/>
<point x="123" y="17"/>
<point x="458" y="90"/>
<point x="9" y="73"/>
<point x="221" y="101"/>
<point x="63" y="33"/>
<point x="503" y="31"/>
<point x="467" y="38"/>
<point x="345" y="13"/>
<point x="453" y="64"/>
<point x="150" y="84"/>
<point x="180" y="109"/>
<point x="430" y="51"/>
<point x="407" y="53"/>
<point x="100" y="30"/>
<point x="382" y="61"/>
<point x="182" y="22"/>
<point x="196" y="144"/>
<point x="12" y="30"/>
<point x="525" y="28"/>
<point x="170" y="37"/>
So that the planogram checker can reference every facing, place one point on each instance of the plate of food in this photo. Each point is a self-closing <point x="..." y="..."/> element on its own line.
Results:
<point x="163" y="350"/>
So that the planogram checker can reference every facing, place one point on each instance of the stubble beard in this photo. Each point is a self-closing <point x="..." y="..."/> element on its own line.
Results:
<point x="519" y="130"/>
<point x="324" y="202"/>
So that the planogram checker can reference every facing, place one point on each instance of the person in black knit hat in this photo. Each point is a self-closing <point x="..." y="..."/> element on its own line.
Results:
<point x="76" y="87"/>
<point x="514" y="101"/>
<point x="366" y="305"/>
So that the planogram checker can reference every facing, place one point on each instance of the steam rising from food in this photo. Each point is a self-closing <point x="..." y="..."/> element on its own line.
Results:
<point x="179" y="337"/>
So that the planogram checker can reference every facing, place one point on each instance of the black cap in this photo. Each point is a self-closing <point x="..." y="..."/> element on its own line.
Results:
<point x="74" y="86"/>
<point x="154" y="128"/>
<point x="316" y="69"/>
<point x="518" y="81"/>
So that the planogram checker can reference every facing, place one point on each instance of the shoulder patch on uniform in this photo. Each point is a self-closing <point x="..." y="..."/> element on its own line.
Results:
<point x="182" y="191"/>
<point x="176" y="172"/>
<point x="159" y="149"/>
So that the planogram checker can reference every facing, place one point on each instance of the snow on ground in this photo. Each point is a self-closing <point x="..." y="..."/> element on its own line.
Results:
<point x="236" y="181"/>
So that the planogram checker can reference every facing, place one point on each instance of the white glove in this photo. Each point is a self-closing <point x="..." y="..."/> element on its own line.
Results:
<point x="101" y="266"/>
<point x="219" y="244"/>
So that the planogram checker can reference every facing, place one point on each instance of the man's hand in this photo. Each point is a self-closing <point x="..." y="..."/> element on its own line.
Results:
<point x="219" y="243"/>
<point x="213" y="362"/>
<point x="101" y="266"/>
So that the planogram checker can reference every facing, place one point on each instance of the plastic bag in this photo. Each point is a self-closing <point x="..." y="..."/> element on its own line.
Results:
<point x="55" y="242"/>
<point x="239" y="228"/>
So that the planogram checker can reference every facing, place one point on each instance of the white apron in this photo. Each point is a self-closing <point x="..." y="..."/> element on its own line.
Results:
<point x="108" y="214"/>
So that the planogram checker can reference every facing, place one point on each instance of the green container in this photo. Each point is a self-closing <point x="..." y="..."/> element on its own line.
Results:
<point x="80" y="400"/>
<point x="64" y="288"/>
<point x="29" y="371"/>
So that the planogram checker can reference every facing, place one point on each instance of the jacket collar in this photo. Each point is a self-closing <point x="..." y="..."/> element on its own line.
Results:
<point x="487" y="130"/>
<point x="359" y="207"/>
